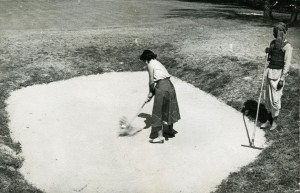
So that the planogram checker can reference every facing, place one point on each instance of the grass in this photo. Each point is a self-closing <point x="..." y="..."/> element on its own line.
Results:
<point x="196" y="54"/>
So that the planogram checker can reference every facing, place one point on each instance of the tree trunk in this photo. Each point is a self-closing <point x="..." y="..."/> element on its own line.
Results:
<point x="268" y="10"/>
<point x="294" y="15"/>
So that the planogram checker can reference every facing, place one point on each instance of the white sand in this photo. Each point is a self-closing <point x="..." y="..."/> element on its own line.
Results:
<point x="68" y="131"/>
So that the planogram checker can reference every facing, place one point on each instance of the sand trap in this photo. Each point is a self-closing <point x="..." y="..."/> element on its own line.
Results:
<point x="68" y="131"/>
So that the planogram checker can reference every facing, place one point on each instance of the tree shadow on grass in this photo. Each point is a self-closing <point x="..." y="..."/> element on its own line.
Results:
<point x="229" y="12"/>
<point x="231" y="2"/>
<point x="225" y="13"/>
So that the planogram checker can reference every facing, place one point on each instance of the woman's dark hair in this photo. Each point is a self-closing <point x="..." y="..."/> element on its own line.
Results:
<point x="147" y="55"/>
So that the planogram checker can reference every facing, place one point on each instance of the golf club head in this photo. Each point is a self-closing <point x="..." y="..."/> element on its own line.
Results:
<point x="123" y="122"/>
<point x="129" y="130"/>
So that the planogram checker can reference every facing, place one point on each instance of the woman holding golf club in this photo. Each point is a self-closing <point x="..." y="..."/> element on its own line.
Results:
<point x="279" y="57"/>
<point x="165" y="108"/>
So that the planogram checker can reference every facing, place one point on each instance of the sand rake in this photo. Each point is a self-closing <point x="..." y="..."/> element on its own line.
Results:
<point x="126" y="129"/>
<point x="251" y="142"/>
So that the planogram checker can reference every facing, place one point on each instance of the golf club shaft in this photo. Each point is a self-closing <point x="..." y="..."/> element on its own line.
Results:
<point x="138" y="112"/>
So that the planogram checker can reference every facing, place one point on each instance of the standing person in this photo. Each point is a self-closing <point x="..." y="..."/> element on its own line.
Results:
<point x="280" y="56"/>
<point x="165" y="108"/>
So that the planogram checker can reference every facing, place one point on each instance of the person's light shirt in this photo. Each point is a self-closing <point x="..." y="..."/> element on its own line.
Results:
<point x="159" y="71"/>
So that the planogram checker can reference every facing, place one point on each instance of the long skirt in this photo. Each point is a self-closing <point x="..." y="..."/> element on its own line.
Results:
<point x="273" y="97"/>
<point x="165" y="107"/>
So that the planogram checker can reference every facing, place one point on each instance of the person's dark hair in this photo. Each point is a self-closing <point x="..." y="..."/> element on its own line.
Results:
<point x="147" y="55"/>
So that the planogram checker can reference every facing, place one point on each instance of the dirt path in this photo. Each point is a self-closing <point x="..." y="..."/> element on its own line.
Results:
<point x="68" y="131"/>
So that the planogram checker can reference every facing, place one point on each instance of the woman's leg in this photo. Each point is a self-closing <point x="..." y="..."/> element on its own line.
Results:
<point x="273" y="103"/>
<point x="274" y="124"/>
<point x="276" y="103"/>
<point x="169" y="130"/>
<point x="268" y="122"/>
<point x="154" y="132"/>
<point x="160" y="133"/>
<point x="156" y="135"/>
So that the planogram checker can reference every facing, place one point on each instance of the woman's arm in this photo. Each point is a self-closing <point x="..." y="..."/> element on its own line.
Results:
<point x="151" y="82"/>
<point x="287" y="60"/>
<point x="151" y="74"/>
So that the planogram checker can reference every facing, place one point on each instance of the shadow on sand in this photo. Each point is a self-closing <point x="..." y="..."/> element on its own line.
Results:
<point x="147" y="121"/>
<point x="167" y="129"/>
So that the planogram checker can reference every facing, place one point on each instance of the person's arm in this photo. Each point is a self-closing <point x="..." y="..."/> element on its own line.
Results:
<point x="288" y="49"/>
<point x="287" y="61"/>
<point x="151" y="82"/>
